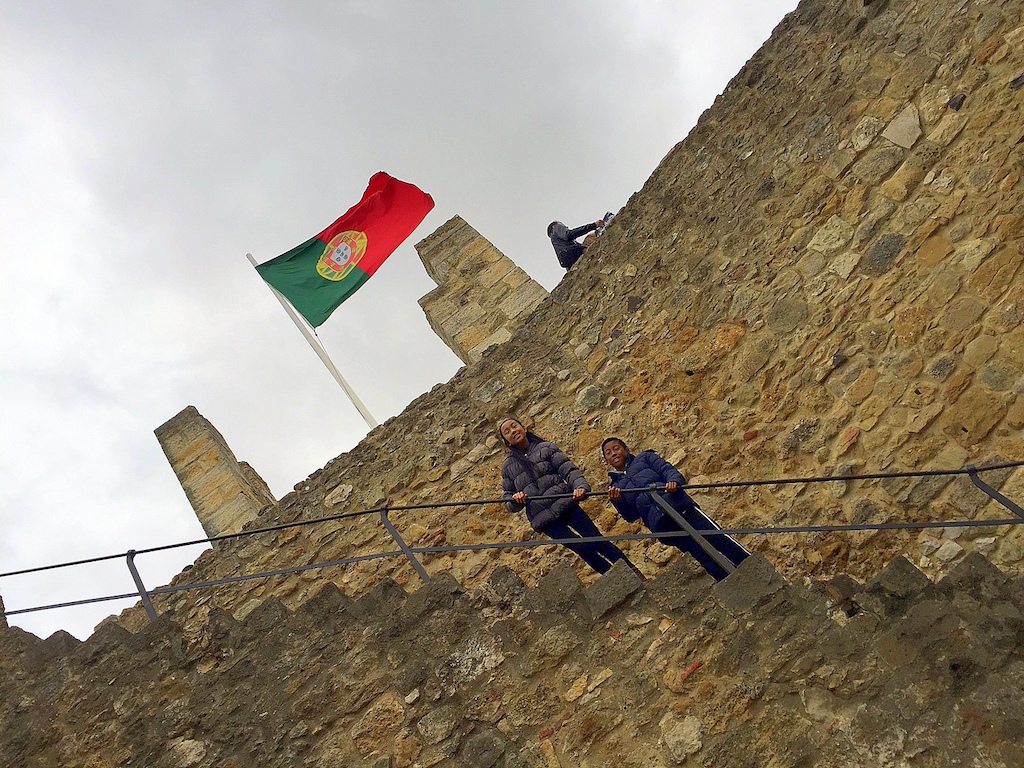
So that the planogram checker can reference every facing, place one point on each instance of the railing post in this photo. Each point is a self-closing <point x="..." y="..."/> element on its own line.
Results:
<point x="972" y="472"/>
<point x="402" y="545"/>
<point x="715" y="555"/>
<point x="150" y="610"/>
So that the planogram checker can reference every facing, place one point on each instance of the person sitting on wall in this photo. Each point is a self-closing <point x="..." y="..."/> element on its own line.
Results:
<point x="648" y="468"/>
<point x="563" y="240"/>
<point x="536" y="469"/>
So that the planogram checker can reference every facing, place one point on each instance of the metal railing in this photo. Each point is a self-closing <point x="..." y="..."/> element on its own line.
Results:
<point x="411" y="552"/>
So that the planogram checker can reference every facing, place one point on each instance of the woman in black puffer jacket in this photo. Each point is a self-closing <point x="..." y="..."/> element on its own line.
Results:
<point x="535" y="469"/>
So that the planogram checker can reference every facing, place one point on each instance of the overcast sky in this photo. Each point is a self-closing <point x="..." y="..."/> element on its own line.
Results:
<point x="146" y="147"/>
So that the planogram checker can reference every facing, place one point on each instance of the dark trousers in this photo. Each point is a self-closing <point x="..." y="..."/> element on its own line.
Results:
<point x="599" y="555"/>
<point x="727" y="545"/>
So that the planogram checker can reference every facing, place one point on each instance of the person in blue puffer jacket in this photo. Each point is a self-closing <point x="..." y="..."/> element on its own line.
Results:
<point x="646" y="469"/>
<point x="536" y="469"/>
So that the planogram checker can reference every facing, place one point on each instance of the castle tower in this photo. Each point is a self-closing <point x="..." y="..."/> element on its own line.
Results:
<point x="225" y="493"/>
<point x="482" y="296"/>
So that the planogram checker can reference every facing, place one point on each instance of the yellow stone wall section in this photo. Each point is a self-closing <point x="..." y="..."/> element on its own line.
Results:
<point x="482" y="296"/>
<point x="225" y="493"/>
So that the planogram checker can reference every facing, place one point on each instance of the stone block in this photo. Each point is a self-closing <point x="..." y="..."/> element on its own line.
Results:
<point x="683" y="583"/>
<point x="973" y="416"/>
<point x="504" y="585"/>
<point x="753" y="582"/>
<point x="384" y="599"/>
<point x="910" y="77"/>
<point x="976" y="576"/>
<point x="439" y="593"/>
<point x="844" y="264"/>
<point x="107" y="638"/>
<point x="522" y="301"/>
<point x="326" y="606"/>
<point x="900" y="578"/>
<point x="589" y="398"/>
<point x="468" y="316"/>
<point x="558" y="589"/>
<point x="380" y="720"/>
<point x="753" y="356"/>
<point x="268" y="616"/>
<point x="483" y="749"/>
<point x="883" y="254"/>
<point x="949" y="128"/>
<point x="905" y="129"/>
<point x="221" y="632"/>
<point x="875" y="166"/>
<point x="788" y="314"/>
<point x="995" y="275"/>
<point x="948" y="552"/>
<point x="613" y="589"/>
<point x="57" y="646"/>
<point x="934" y="250"/>
<point x="832" y="236"/>
<point x="911" y="172"/>
<point x="925" y="624"/>
<point x="550" y="649"/>
<point x="438" y="723"/>
<point x="500" y="336"/>
<point x="962" y="313"/>
<point x="972" y="253"/>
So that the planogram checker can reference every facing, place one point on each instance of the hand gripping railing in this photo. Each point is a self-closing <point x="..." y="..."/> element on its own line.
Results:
<point x="411" y="552"/>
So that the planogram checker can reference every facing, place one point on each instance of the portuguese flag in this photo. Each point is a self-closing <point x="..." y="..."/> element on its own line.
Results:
<point x="317" y="276"/>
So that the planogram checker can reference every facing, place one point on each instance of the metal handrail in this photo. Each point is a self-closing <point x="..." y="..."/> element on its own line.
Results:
<point x="411" y="552"/>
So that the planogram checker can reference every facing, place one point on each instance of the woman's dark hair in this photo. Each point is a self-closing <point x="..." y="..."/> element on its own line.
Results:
<point x="618" y="440"/>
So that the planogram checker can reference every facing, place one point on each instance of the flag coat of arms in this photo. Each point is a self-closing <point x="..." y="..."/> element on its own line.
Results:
<point x="317" y="276"/>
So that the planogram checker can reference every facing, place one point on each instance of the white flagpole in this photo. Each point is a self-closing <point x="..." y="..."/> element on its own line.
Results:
<point x="314" y="342"/>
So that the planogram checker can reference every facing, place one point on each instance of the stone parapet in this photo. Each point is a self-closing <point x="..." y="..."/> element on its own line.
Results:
<point x="678" y="671"/>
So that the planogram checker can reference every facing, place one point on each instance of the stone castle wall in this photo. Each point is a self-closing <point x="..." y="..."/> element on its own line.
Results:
<point x="822" y="279"/>
<point x="792" y="293"/>
<point x="482" y="296"/>
<point x="751" y="672"/>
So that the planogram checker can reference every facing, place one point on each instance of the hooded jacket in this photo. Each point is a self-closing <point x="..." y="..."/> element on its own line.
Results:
<point x="541" y="469"/>
<point x="641" y="471"/>
<point x="563" y="240"/>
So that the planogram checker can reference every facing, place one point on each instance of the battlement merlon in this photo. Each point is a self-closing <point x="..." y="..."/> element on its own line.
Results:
<point x="224" y="493"/>
<point x="482" y="296"/>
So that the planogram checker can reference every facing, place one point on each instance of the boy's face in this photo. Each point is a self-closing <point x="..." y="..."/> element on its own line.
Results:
<point x="615" y="454"/>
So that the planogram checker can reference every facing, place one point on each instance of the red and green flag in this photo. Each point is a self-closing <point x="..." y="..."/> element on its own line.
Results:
<point x="317" y="276"/>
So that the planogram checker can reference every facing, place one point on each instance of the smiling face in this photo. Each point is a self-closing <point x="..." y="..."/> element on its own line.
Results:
<point x="615" y="454"/>
<point x="514" y="433"/>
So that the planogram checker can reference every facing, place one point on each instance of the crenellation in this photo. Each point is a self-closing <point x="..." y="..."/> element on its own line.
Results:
<point x="482" y="296"/>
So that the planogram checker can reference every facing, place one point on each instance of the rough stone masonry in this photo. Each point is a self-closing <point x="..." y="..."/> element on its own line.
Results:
<point x="823" y="278"/>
